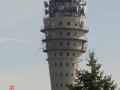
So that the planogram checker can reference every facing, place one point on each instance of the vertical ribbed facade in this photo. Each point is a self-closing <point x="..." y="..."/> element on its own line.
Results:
<point x="65" y="41"/>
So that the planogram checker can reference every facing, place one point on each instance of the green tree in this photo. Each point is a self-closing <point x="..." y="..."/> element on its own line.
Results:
<point x="93" y="79"/>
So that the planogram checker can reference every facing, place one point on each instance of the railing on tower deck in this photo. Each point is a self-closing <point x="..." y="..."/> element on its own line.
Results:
<point x="83" y="16"/>
<point x="77" y="58"/>
<point x="47" y="16"/>
<point x="82" y="49"/>
<point x="86" y="29"/>
<point x="64" y="37"/>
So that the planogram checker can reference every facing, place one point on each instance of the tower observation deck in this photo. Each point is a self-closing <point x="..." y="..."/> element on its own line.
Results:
<point x="64" y="40"/>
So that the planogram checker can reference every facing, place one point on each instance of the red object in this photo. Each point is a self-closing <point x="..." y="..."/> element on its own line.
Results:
<point x="11" y="87"/>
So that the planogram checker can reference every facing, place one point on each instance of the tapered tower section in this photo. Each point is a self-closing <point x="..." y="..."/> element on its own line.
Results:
<point x="65" y="41"/>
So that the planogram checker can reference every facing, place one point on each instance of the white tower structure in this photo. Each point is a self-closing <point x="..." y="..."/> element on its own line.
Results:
<point x="65" y="41"/>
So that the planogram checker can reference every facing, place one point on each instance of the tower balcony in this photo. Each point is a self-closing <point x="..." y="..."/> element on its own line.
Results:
<point x="65" y="58"/>
<point x="44" y="39"/>
<point x="51" y="27"/>
<point x="51" y="48"/>
<point x="47" y="16"/>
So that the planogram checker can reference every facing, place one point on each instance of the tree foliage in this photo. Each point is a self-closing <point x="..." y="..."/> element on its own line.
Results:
<point x="93" y="79"/>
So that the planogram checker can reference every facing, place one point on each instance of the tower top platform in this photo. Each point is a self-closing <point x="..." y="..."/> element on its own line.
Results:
<point x="65" y="7"/>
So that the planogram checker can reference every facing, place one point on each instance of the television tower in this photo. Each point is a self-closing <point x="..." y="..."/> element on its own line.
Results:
<point x="64" y="41"/>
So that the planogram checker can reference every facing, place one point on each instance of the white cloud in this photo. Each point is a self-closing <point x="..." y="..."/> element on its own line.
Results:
<point x="11" y="39"/>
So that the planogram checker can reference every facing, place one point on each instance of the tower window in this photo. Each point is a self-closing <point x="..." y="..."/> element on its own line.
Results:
<point x="82" y="24"/>
<point x="68" y="33"/>
<point x="72" y="74"/>
<point x="74" y="44"/>
<point x="60" y="23"/>
<point x="67" y="54"/>
<point x="75" y="24"/>
<point x="68" y="23"/>
<point x="72" y="64"/>
<point x="67" y="64"/>
<point x="55" y="64"/>
<point x="73" y="54"/>
<point x="75" y="34"/>
<point x="54" y="54"/>
<point x="61" y="85"/>
<point x="60" y="43"/>
<point x="66" y="74"/>
<point x="68" y="44"/>
<point x="61" y="74"/>
<point x="61" y="64"/>
<point x="60" y="33"/>
<point x="60" y="54"/>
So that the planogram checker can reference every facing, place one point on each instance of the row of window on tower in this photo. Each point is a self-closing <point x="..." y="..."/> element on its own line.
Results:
<point x="68" y="23"/>
<point x="60" y="85"/>
<point x="61" y="64"/>
<point x="69" y="12"/>
<point x="82" y="24"/>
<point x="60" y="23"/>
<point x="62" y="44"/>
<point x="61" y="54"/>
<point x="61" y="74"/>
<point x="68" y="34"/>
<point x="68" y="44"/>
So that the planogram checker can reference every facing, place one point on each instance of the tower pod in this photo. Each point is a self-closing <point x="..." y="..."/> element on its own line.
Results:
<point x="46" y="11"/>
<point x="46" y="4"/>
<point x="84" y="10"/>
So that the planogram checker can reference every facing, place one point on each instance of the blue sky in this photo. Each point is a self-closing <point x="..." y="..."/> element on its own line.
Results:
<point x="24" y="65"/>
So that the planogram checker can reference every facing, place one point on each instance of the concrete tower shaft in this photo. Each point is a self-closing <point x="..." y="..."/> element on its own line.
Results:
<point x="65" y="41"/>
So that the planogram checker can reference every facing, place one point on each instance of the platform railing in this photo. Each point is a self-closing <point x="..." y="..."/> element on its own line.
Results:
<point x="65" y="26"/>
<point x="64" y="37"/>
<point x="47" y="16"/>
<point x="83" y="49"/>
<point x="77" y="58"/>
